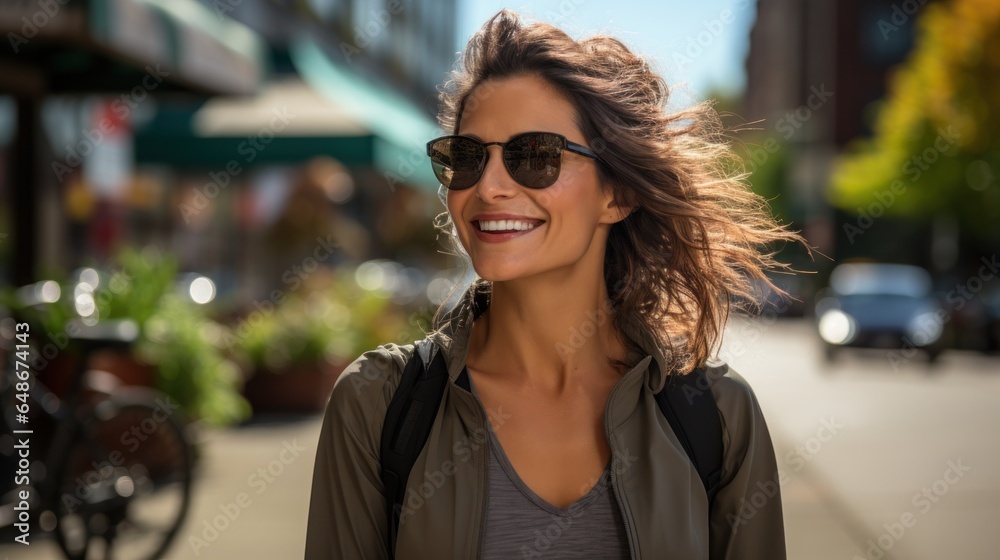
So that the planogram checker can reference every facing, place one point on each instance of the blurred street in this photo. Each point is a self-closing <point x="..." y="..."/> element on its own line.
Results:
<point x="900" y="432"/>
<point x="888" y="436"/>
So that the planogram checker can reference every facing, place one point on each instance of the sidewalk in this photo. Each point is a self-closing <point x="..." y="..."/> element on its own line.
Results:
<point x="250" y="500"/>
<point x="816" y="528"/>
<point x="259" y="476"/>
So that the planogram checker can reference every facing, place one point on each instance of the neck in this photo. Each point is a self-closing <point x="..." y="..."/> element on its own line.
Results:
<point x="548" y="334"/>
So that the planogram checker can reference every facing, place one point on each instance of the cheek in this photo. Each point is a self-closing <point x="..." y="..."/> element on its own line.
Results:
<point x="573" y="201"/>
<point x="457" y="201"/>
<point x="557" y="198"/>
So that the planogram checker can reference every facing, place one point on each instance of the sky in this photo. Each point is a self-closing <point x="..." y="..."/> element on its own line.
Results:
<point x="700" y="46"/>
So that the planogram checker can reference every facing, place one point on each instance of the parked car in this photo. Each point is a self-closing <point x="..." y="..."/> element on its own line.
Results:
<point x="793" y="305"/>
<point x="881" y="305"/>
<point x="767" y="301"/>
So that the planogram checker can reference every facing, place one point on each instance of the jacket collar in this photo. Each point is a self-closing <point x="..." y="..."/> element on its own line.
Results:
<point x="455" y="329"/>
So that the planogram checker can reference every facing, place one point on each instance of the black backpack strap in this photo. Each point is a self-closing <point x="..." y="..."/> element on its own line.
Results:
<point x="409" y="418"/>
<point x="408" y="423"/>
<point x="689" y="405"/>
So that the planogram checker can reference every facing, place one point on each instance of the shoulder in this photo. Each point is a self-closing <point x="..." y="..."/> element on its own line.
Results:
<point x="750" y="474"/>
<point x="744" y="428"/>
<point x="733" y="393"/>
<point x="362" y="393"/>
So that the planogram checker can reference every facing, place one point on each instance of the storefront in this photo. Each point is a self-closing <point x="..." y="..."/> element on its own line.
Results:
<point x="127" y="52"/>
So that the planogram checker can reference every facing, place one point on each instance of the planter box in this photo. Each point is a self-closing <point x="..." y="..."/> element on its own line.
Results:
<point x="57" y="374"/>
<point x="300" y="388"/>
<point x="125" y="366"/>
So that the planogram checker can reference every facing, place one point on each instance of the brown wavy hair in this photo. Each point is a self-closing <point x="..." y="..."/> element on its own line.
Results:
<point x="697" y="236"/>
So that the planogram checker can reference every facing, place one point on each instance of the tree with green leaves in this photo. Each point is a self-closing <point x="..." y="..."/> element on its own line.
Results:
<point x="935" y="148"/>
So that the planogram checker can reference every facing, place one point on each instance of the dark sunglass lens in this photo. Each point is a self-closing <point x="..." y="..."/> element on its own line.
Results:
<point x="457" y="162"/>
<point x="533" y="159"/>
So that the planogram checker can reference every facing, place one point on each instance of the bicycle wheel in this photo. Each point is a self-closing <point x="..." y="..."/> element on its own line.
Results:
<point x="124" y="484"/>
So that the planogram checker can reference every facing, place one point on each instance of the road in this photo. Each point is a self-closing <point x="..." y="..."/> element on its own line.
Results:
<point x="901" y="459"/>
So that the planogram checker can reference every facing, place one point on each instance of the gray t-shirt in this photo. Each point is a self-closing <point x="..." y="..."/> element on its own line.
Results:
<point x="520" y="524"/>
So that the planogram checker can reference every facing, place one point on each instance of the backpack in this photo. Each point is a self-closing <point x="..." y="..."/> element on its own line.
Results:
<point x="693" y="415"/>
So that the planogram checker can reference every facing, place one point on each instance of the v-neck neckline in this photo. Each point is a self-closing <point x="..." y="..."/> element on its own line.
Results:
<point x="497" y="451"/>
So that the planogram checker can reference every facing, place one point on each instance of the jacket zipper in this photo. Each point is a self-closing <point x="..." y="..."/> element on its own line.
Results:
<point x="619" y="495"/>
<point x="484" y="470"/>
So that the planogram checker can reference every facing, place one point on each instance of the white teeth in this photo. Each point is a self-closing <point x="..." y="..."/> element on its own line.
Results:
<point x="505" y="225"/>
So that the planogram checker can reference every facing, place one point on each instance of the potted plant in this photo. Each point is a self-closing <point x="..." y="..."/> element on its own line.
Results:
<point x="178" y="349"/>
<point x="187" y="349"/>
<point x="296" y="352"/>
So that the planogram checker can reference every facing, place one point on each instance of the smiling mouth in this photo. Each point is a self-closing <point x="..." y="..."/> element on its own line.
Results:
<point x="506" y="226"/>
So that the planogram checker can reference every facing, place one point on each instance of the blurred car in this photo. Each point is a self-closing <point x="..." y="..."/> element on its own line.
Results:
<point x="880" y="305"/>
<point x="767" y="301"/>
<point x="793" y="305"/>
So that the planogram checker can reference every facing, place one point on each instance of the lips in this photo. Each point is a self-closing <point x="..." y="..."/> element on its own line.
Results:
<point x="491" y="217"/>
<point x="499" y="236"/>
<point x="500" y="226"/>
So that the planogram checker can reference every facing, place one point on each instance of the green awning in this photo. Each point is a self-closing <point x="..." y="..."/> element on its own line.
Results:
<point x="401" y="130"/>
<point x="113" y="45"/>
<point x="334" y="112"/>
<point x="286" y="122"/>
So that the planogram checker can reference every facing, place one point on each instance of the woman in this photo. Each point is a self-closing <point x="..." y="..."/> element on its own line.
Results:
<point x="608" y="236"/>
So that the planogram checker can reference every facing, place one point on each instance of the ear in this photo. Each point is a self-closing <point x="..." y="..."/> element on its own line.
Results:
<point x="613" y="212"/>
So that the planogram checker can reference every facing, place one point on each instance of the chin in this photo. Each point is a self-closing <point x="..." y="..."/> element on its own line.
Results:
<point x="498" y="272"/>
<point x="495" y="276"/>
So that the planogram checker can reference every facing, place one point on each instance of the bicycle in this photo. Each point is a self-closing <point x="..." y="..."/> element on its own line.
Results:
<point x="117" y="478"/>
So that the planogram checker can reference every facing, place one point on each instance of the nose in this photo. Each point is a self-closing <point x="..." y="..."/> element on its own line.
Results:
<point x="496" y="181"/>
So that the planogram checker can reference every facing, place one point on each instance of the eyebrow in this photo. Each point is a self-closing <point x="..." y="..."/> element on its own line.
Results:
<point x="472" y="135"/>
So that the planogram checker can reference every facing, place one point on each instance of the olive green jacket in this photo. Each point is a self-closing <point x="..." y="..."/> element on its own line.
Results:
<point x="662" y="500"/>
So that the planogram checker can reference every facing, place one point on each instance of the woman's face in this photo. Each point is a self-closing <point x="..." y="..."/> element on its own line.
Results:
<point x="572" y="217"/>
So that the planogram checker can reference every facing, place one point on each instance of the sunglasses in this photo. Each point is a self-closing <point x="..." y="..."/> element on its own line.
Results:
<point x="532" y="158"/>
